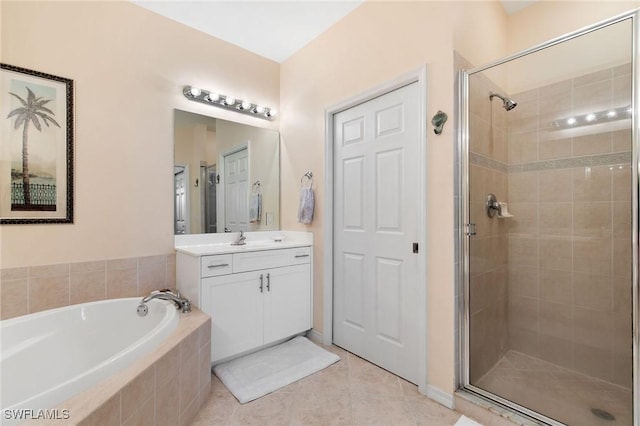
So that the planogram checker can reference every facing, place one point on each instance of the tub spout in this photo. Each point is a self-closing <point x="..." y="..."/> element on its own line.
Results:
<point x="182" y="303"/>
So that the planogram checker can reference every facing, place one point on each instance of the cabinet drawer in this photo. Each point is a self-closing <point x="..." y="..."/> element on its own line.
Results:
<point x="220" y="264"/>
<point x="255" y="260"/>
<point x="300" y="255"/>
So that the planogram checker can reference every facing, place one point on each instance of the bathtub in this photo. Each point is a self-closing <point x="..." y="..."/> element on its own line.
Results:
<point x="50" y="356"/>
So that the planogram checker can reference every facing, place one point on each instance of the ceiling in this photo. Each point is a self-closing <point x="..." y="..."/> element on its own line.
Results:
<point x="273" y="29"/>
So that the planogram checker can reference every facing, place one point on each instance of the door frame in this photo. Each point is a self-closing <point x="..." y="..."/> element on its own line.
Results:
<point x="418" y="76"/>
<point x="187" y="196"/>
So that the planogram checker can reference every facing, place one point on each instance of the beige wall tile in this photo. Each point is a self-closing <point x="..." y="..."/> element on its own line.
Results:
<point x="523" y="281"/>
<point x="592" y="328"/>
<point x="189" y="347"/>
<point x="152" y="277"/>
<point x="122" y="283"/>
<point x="622" y="219"/>
<point x="592" y="97"/>
<point x="622" y="90"/>
<point x="556" y="350"/>
<point x="523" y="251"/>
<point x="49" y="271"/>
<point x="523" y="314"/>
<point x="95" y="266"/>
<point x="595" y="362"/>
<point x="139" y="389"/>
<point x="167" y="367"/>
<point x="189" y="381"/>
<point x="594" y="77"/>
<point x="555" y="253"/>
<point x="556" y="286"/>
<point x="622" y="295"/>
<point x="48" y="292"/>
<point x="622" y="258"/>
<point x="14" y="274"/>
<point x="552" y="146"/>
<point x="127" y="263"/>
<point x="524" y="341"/>
<point x="523" y="187"/>
<point x="522" y="147"/>
<point x="88" y="286"/>
<point x="14" y="298"/>
<point x="556" y="320"/>
<point x="525" y="220"/>
<point x="592" y="219"/>
<point x="524" y="118"/>
<point x="556" y="185"/>
<point x="592" y="255"/>
<point x="593" y="291"/>
<point x="167" y="405"/>
<point x="144" y="414"/>
<point x="621" y="140"/>
<point x="592" y="184"/>
<point x="555" y="219"/>
<point x="621" y="175"/>
<point x="591" y="144"/>
<point x="107" y="414"/>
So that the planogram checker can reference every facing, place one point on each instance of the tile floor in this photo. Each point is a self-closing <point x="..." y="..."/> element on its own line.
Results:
<point x="559" y="393"/>
<point x="350" y="392"/>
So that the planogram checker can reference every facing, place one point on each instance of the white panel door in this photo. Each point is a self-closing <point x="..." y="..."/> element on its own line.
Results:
<point x="180" y="205"/>
<point x="376" y="221"/>
<point x="236" y="195"/>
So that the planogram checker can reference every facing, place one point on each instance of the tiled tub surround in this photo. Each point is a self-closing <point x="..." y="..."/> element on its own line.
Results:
<point x="165" y="387"/>
<point x="34" y="289"/>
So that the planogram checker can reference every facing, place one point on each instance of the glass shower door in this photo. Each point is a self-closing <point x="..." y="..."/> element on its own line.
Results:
<point x="550" y="197"/>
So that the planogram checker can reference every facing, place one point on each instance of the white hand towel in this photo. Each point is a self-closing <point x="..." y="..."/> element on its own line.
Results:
<point x="255" y="208"/>
<point x="305" y="208"/>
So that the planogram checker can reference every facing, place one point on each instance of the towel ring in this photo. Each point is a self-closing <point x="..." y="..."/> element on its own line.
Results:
<point x="308" y="175"/>
<point x="255" y="188"/>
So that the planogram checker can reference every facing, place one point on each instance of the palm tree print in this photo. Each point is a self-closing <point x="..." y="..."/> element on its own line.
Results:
<point x="32" y="111"/>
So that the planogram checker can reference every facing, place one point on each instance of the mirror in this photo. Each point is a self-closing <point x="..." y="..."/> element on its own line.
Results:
<point x="226" y="176"/>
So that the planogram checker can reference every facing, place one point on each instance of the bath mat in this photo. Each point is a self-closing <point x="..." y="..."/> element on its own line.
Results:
<point x="466" y="421"/>
<point x="263" y="372"/>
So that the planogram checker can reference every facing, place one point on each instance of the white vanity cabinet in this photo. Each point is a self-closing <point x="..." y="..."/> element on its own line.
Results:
<point x="253" y="297"/>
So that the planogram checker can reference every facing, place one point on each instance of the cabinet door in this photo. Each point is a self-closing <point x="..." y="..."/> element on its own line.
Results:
<point x="287" y="302"/>
<point x="234" y="303"/>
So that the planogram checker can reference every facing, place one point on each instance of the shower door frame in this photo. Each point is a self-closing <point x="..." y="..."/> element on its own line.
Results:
<point x="463" y="217"/>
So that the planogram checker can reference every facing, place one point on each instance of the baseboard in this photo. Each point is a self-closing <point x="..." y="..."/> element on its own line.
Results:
<point x="315" y="337"/>
<point x="440" y="396"/>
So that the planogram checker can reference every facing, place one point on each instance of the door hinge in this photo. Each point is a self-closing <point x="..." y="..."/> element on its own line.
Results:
<point x="415" y="247"/>
<point x="471" y="229"/>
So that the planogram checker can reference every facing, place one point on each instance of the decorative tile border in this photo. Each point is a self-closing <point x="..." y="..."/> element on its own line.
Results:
<point x="563" y="163"/>
<point x="569" y="163"/>
<point x="480" y="160"/>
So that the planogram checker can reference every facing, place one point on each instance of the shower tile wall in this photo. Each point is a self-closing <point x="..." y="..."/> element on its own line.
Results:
<point x="569" y="242"/>
<point x="488" y="249"/>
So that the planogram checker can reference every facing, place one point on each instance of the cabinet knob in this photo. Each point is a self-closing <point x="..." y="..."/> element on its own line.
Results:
<point x="268" y="282"/>
<point x="261" y="283"/>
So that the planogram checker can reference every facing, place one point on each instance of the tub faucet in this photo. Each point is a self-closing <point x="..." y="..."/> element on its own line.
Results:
<point x="240" y="241"/>
<point x="182" y="303"/>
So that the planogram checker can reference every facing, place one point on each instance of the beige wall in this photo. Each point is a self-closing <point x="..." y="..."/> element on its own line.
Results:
<point x="378" y="42"/>
<point x="128" y="67"/>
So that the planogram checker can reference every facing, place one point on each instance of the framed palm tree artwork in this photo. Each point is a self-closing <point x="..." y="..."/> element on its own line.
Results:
<point x="36" y="148"/>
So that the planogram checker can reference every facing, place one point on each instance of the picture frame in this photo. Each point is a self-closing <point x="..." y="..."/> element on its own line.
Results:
<point x="36" y="147"/>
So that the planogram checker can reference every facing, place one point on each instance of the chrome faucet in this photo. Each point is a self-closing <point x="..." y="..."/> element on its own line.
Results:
<point x="182" y="303"/>
<point x="240" y="241"/>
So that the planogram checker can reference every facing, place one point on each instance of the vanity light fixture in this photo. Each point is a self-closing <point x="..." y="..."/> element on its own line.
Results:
<point x="227" y="102"/>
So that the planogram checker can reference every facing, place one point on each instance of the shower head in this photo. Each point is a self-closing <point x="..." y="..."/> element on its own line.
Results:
<point x="507" y="103"/>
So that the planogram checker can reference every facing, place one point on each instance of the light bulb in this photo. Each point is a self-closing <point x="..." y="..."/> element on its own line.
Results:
<point x="229" y="100"/>
<point x="213" y="97"/>
<point x="270" y="113"/>
<point x="612" y="113"/>
<point x="590" y="117"/>
<point x="195" y="92"/>
<point x="571" y="121"/>
<point x="259" y="109"/>
<point x="245" y="105"/>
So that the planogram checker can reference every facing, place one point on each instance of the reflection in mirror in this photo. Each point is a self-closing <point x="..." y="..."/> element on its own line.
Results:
<point x="226" y="175"/>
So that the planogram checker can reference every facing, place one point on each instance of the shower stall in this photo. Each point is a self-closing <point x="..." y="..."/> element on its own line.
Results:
<point x="548" y="188"/>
